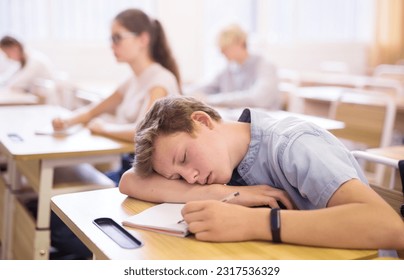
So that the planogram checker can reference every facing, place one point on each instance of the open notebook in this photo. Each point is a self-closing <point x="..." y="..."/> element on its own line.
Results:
<point x="48" y="130"/>
<point x="162" y="218"/>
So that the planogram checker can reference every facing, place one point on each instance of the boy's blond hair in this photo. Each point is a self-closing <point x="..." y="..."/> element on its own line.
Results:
<point x="232" y="34"/>
<point x="167" y="116"/>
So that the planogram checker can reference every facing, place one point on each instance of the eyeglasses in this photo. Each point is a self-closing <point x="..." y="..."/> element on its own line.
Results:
<point x="118" y="37"/>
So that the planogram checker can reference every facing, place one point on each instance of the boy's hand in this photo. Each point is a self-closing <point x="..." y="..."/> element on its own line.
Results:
<point x="212" y="220"/>
<point x="262" y="195"/>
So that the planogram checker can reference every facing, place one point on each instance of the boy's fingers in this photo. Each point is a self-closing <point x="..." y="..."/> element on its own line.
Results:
<point x="284" y="198"/>
<point x="286" y="201"/>
<point x="193" y="206"/>
<point x="197" y="227"/>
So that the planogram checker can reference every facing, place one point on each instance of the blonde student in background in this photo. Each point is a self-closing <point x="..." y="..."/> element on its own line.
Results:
<point x="247" y="79"/>
<point x="139" y="41"/>
<point x="185" y="152"/>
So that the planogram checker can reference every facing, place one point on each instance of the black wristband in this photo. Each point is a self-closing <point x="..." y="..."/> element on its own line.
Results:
<point x="275" y="221"/>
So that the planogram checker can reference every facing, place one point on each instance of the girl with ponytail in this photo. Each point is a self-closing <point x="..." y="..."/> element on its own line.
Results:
<point x="139" y="41"/>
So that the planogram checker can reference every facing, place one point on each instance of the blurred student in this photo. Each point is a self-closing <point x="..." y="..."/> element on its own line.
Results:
<point x="7" y="67"/>
<point x="33" y="65"/>
<point x="185" y="152"/>
<point x="247" y="80"/>
<point x="139" y="41"/>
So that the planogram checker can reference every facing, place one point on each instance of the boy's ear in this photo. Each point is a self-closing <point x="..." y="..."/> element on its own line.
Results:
<point x="202" y="118"/>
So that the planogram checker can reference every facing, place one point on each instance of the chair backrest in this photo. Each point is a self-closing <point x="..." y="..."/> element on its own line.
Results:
<point x="393" y="197"/>
<point x="401" y="170"/>
<point x="368" y="116"/>
<point x="387" y="85"/>
<point x="392" y="71"/>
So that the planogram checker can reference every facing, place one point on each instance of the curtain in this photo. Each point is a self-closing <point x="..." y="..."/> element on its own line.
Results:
<point x="388" y="45"/>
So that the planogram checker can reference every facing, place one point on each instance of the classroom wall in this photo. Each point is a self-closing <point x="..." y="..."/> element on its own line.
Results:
<point x="86" y="64"/>
<point x="95" y="63"/>
<point x="317" y="56"/>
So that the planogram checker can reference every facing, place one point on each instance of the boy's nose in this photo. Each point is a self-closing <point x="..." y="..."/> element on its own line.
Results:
<point x="192" y="176"/>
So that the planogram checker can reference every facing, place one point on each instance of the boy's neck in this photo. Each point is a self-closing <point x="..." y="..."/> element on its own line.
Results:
<point x="238" y="137"/>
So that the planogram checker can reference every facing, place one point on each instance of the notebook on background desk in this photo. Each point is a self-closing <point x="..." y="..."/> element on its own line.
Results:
<point x="48" y="130"/>
<point x="162" y="218"/>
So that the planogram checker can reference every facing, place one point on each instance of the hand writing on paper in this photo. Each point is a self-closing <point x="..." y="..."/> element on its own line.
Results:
<point x="59" y="124"/>
<point x="212" y="220"/>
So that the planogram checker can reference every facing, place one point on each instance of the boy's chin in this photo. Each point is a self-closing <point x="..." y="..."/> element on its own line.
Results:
<point x="224" y="180"/>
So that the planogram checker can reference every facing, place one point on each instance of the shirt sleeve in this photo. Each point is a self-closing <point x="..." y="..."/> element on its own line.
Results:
<point x="317" y="166"/>
<point x="164" y="80"/>
<point x="263" y="93"/>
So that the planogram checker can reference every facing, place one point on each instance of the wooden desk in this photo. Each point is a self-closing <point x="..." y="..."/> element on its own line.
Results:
<point x="328" y="94"/>
<point x="321" y="78"/>
<point x="317" y="101"/>
<point x="36" y="157"/>
<point x="329" y="124"/>
<point x="11" y="97"/>
<point x="78" y="210"/>
<point x="399" y="122"/>
<point x="394" y="152"/>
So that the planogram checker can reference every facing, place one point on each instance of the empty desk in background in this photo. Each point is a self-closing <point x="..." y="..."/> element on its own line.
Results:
<point x="78" y="210"/>
<point x="321" y="98"/>
<point x="38" y="158"/>
<point x="329" y="124"/>
<point x="395" y="153"/>
<point x="315" y="100"/>
<point x="11" y="97"/>
<point x="399" y="122"/>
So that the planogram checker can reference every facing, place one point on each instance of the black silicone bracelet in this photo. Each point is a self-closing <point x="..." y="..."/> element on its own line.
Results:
<point x="275" y="220"/>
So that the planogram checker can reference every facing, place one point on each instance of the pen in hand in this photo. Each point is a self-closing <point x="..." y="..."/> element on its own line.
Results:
<point x="225" y="199"/>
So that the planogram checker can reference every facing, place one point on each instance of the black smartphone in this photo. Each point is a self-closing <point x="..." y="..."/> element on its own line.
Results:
<point x="117" y="233"/>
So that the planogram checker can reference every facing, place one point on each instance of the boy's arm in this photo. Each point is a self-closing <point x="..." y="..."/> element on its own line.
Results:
<point x="156" y="188"/>
<point x="355" y="217"/>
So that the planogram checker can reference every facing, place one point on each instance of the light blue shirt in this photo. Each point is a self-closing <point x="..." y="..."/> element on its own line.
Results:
<point x="254" y="83"/>
<point x="297" y="156"/>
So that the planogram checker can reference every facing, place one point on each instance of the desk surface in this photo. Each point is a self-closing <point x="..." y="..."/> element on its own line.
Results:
<point x="332" y="93"/>
<point x="11" y="97"/>
<point x="19" y="139"/>
<point x="329" y="124"/>
<point x="78" y="210"/>
<point x="394" y="152"/>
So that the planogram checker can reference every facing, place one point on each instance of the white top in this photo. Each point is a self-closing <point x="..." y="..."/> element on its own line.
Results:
<point x="136" y="92"/>
<point x="37" y="66"/>
<point x="7" y="67"/>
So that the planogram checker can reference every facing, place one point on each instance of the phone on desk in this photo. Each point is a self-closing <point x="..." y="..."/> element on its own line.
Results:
<point x="117" y="233"/>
